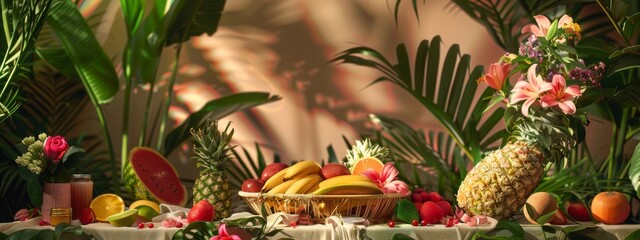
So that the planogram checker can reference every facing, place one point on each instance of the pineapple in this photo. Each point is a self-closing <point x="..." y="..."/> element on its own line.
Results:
<point x="211" y="152"/>
<point x="499" y="185"/>
<point x="364" y="149"/>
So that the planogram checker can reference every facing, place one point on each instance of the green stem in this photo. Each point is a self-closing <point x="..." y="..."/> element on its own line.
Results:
<point x="107" y="136"/>
<point x="125" y="115"/>
<point x="620" y="136"/>
<point x="169" y="97"/>
<point x="615" y="25"/>
<point x="612" y="148"/>
<point x="143" y="132"/>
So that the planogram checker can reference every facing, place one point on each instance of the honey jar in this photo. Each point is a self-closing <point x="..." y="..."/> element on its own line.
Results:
<point x="60" y="215"/>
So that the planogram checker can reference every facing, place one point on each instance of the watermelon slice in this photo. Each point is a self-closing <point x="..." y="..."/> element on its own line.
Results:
<point x="158" y="176"/>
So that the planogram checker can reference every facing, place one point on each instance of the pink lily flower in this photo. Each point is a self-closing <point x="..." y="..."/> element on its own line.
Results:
<point x="561" y="95"/>
<point x="224" y="235"/>
<point x="387" y="180"/>
<point x="497" y="74"/>
<point x="529" y="90"/>
<point x="543" y="25"/>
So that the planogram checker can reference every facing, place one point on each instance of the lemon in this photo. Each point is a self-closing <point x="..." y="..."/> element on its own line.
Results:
<point x="146" y="212"/>
<point x="106" y="205"/>
<point x="151" y="204"/>
<point x="123" y="219"/>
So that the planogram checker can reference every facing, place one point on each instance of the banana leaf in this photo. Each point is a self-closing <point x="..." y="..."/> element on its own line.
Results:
<point x="215" y="109"/>
<point x="89" y="59"/>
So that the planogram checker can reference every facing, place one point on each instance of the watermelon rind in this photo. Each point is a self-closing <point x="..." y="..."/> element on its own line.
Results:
<point x="163" y="185"/>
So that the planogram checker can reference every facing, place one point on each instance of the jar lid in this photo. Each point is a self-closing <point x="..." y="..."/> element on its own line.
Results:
<point x="60" y="211"/>
<point x="81" y="176"/>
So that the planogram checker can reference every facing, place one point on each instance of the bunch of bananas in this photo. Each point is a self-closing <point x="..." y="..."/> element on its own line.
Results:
<point x="304" y="178"/>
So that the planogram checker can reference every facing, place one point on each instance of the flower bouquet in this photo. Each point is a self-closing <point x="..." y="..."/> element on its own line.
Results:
<point x="43" y="160"/>
<point x="541" y="116"/>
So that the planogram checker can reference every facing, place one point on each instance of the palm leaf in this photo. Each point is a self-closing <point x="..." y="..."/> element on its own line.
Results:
<point x="430" y="159"/>
<point x="446" y="102"/>
<point x="244" y="166"/>
<point x="21" y="24"/>
<point x="215" y="109"/>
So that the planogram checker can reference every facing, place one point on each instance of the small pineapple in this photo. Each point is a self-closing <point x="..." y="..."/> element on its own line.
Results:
<point x="499" y="185"/>
<point x="364" y="149"/>
<point x="211" y="152"/>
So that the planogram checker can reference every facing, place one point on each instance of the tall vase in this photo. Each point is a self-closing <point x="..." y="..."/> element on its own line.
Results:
<point x="55" y="195"/>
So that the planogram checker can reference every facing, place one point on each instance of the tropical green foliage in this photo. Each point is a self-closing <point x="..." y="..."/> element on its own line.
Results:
<point x="448" y="91"/>
<point x="21" y="23"/>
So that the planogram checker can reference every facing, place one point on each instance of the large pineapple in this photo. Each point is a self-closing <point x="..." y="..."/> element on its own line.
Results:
<point x="211" y="152"/>
<point x="499" y="185"/>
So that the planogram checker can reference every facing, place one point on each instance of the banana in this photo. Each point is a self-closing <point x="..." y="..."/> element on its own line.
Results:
<point x="274" y="180"/>
<point x="344" y="178"/>
<point x="303" y="185"/>
<point x="282" y="188"/>
<point x="356" y="187"/>
<point x="302" y="169"/>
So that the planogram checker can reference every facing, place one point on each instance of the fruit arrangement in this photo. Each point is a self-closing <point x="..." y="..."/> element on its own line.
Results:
<point x="306" y="186"/>
<point x="110" y="208"/>
<point x="606" y="207"/>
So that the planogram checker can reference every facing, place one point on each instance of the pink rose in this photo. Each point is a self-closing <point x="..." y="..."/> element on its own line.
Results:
<point x="55" y="148"/>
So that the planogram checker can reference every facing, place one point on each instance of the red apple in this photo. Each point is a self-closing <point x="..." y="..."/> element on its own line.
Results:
<point x="202" y="211"/>
<point x="252" y="185"/>
<point x="272" y="169"/>
<point x="578" y="211"/>
<point x="330" y="170"/>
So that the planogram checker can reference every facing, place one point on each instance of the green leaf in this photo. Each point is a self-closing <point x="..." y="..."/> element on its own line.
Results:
<point x="400" y="236"/>
<point x="89" y="59"/>
<point x="618" y="10"/>
<point x="634" y="170"/>
<point x="511" y="226"/>
<point x="634" y="235"/>
<point x="215" y="109"/>
<point x="553" y="29"/>
<point x="58" y="58"/>
<point x="544" y="218"/>
<point x="631" y="26"/>
<point x="405" y="211"/>
<point x="189" y="18"/>
<point x="34" y="189"/>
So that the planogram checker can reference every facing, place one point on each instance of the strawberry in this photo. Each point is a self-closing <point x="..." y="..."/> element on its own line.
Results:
<point x="445" y="206"/>
<point x="431" y="212"/>
<point x="425" y="196"/>
<point x="416" y="197"/>
<point x="87" y="216"/>
<point x="435" y="197"/>
<point x="201" y="212"/>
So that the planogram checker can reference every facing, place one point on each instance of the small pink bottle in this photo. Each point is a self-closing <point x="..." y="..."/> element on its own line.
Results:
<point x="81" y="193"/>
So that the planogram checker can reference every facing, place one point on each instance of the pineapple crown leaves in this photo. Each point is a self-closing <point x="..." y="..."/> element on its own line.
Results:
<point x="552" y="132"/>
<point x="365" y="148"/>
<point x="211" y="146"/>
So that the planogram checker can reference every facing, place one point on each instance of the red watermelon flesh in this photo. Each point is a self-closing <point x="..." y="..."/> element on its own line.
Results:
<point x="158" y="176"/>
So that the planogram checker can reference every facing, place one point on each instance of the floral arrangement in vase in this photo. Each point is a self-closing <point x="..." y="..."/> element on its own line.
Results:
<point x="541" y="116"/>
<point x="43" y="159"/>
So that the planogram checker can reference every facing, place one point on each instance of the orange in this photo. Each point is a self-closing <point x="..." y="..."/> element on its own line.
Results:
<point x="106" y="205"/>
<point x="366" y="163"/>
<point x="610" y="207"/>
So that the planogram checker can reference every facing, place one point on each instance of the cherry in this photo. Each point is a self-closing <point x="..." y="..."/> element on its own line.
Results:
<point x="140" y="225"/>
<point x="179" y="225"/>
<point x="424" y="222"/>
<point x="414" y="222"/>
<point x="150" y="225"/>
<point x="42" y="223"/>
<point x="391" y="223"/>
<point x="293" y="224"/>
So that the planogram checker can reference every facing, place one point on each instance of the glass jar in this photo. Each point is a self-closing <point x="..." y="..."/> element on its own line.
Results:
<point x="60" y="215"/>
<point x="81" y="193"/>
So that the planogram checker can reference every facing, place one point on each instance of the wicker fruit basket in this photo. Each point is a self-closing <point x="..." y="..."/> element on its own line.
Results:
<point x="375" y="208"/>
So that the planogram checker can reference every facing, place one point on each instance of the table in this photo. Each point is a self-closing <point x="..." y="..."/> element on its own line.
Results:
<point x="104" y="231"/>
